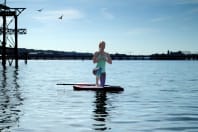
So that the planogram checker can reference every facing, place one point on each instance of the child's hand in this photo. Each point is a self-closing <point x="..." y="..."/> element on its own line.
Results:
<point x="108" y="58"/>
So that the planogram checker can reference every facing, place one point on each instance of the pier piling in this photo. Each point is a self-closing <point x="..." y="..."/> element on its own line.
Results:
<point x="6" y="12"/>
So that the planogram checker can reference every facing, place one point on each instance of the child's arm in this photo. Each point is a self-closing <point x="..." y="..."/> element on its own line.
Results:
<point x="95" y="60"/>
<point x="109" y="60"/>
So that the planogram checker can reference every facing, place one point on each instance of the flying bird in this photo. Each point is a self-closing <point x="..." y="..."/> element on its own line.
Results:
<point x="40" y="10"/>
<point x="61" y="17"/>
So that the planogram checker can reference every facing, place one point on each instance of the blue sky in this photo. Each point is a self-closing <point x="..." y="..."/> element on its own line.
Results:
<point x="127" y="26"/>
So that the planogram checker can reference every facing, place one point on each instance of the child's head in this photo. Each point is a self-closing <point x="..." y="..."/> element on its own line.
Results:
<point x="102" y="45"/>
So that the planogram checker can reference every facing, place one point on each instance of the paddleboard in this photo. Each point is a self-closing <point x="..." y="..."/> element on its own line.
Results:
<point x="97" y="88"/>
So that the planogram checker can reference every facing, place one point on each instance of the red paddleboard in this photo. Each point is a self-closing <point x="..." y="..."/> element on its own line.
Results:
<point x="97" y="88"/>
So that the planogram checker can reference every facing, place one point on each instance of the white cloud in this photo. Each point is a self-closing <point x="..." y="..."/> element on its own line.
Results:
<point x="160" y="19"/>
<point x="68" y="14"/>
<point x="141" y="31"/>
<point x="194" y="10"/>
<point x="14" y="1"/>
<point x="187" y="1"/>
<point x="106" y="14"/>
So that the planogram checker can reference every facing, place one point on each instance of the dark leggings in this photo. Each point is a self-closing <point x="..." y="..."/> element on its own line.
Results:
<point x="102" y="79"/>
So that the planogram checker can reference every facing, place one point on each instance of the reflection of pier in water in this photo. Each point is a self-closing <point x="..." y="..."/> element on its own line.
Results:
<point x="10" y="98"/>
<point x="100" y="111"/>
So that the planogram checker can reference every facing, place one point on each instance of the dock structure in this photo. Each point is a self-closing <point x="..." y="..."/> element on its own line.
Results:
<point x="10" y="28"/>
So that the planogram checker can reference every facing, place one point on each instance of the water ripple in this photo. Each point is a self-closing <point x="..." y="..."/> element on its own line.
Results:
<point x="10" y="98"/>
<point x="180" y="128"/>
<point x="158" y="96"/>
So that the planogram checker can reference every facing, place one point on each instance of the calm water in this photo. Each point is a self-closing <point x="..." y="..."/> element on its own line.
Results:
<point x="158" y="96"/>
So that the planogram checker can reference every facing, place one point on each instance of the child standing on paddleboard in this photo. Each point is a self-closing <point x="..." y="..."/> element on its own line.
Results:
<point x="101" y="57"/>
